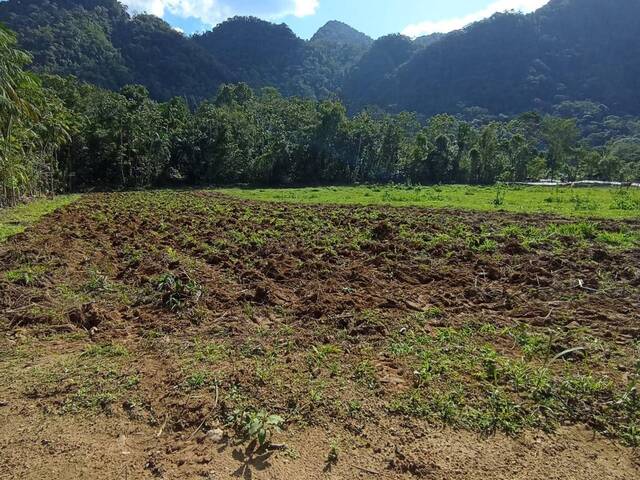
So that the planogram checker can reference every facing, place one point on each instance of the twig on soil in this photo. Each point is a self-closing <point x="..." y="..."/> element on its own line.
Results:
<point x="19" y="309"/>
<point x="166" y="419"/>
<point x="276" y="446"/>
<point x="582" y="286"/>
<point x="567" y="352"/>
<point x="215" y="404"/>
<point x="366" y="470"/>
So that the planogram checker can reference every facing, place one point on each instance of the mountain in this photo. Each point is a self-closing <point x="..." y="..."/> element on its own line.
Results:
<point x="257" y="52"/>
<point x="428" y="40"/>
<point x="567" y="51"/>
<point x="367" y="81"/>
<point x="166" y="62"/>
<point x="340" y="33"/>
<point x="99" y="42"/>
<point x="264" y="54"/>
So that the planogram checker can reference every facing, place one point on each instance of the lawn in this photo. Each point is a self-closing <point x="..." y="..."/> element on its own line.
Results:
<point x="16" y="219"/>
<point x="567" y="201"/>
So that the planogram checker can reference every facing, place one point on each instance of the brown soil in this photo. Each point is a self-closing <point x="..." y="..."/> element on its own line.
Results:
<point x="270" y="282"/>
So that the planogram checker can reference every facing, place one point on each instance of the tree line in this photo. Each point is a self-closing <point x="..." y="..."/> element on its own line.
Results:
<point x="60" y="134"/>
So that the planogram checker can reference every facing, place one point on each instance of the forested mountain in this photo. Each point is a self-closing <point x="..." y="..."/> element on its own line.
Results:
<point x="61" y="134"/>
<point x="567" y="51"/>
<point x="97" y="41"/>
<point x="258" y="52"/>
<point x="335" y="32"/>
<point x="367" y="82"/>
<point x="428" y="40"/>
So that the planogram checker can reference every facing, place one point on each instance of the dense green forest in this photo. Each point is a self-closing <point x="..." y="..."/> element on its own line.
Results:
<point x="62" y="134"/>
<point x="568" y="51"/>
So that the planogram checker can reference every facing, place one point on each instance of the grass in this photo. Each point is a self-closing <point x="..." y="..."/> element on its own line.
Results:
<point x="474" y="377"/>
<point x="567" y="201"/>
<point x="15" y="220"/>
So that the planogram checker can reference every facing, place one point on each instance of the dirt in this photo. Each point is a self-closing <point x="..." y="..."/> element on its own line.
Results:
<point x="269" y="283"/>
<point x="52" y="447"/>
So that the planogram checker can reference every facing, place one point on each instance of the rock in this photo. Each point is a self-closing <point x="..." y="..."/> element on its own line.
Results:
<point x="216" y="435"/>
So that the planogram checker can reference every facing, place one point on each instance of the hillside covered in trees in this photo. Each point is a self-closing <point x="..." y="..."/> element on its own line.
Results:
<point x="105" y="100"/>
<point x="61" y="134"/>
<point x="567" y="51"/>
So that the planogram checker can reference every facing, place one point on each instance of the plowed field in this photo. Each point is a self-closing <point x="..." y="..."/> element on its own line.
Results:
<point x="199" y="335"/>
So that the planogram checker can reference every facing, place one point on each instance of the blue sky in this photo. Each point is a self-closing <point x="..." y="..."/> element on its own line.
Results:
<point x="373" y="17"/>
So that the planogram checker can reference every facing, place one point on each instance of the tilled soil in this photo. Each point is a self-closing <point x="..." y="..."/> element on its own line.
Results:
<point x="393" y="343"/>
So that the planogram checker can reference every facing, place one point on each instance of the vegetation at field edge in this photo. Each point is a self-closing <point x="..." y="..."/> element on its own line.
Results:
<point x="14" y="220"/>
<point x="593" y="202"/>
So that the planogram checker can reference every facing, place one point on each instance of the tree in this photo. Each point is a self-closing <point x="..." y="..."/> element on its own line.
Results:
<point x="487" y="161"/>
<point x="561" y="136"/>
<point x="31" y="131"/>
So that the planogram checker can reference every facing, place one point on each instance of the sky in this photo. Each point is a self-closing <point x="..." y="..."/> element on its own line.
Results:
<point x="373" y="17"/>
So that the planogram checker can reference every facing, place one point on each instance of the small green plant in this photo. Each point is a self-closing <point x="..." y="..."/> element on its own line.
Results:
<point x="490" y="362"/>
<point x="106" y="350"/>
<point x="26" y="276"/>
<point x="178" y="291"/>
<point x="498" y="201"/>
<point x="209" y="352"/>
<point x="97" y="282"/>
<point x="334" y="453"/>
<point x="354" y="407"/>
<point x="320" y="354"/>
<point x="258" y="426"/>
<point x="365" y="374"/>
<point x="196" y="380"/>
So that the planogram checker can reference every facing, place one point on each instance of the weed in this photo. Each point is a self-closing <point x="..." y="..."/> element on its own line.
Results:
<point x="178" y="292"/>
<point x="97" y="282"/>
<point x="27" y="275"/>
<point x="498" y="201"/>
<point x="365" y="374"/>
<point x="108" y="350"/>
<point x="257" y="426"/>
<point x="625" y="201"/>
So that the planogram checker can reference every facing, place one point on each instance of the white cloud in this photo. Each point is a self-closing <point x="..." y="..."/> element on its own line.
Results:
<point x="212" y="12"/>
<point x="305" y="8"/>
<point x="450" y="24"/>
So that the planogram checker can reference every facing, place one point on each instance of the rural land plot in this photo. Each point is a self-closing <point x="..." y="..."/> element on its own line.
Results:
<point x="169" y="334"/>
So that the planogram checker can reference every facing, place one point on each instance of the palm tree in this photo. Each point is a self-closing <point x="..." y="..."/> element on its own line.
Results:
<point x="13" y="79"/>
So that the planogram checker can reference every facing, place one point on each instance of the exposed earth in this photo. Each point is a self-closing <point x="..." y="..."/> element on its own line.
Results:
<point x="191" y="334"/>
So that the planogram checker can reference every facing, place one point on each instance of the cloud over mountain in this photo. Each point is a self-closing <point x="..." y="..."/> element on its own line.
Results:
<point x="212" y="12"/>
<point x="456" y="23"/>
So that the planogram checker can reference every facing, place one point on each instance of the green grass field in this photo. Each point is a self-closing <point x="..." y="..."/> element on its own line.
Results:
<point x="15" y="220"/>
<point x="592" y="202"/>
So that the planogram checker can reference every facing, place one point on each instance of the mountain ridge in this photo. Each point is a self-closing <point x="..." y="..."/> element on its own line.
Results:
<point x="568" y="50"/>
<point x="335" y="31"/>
